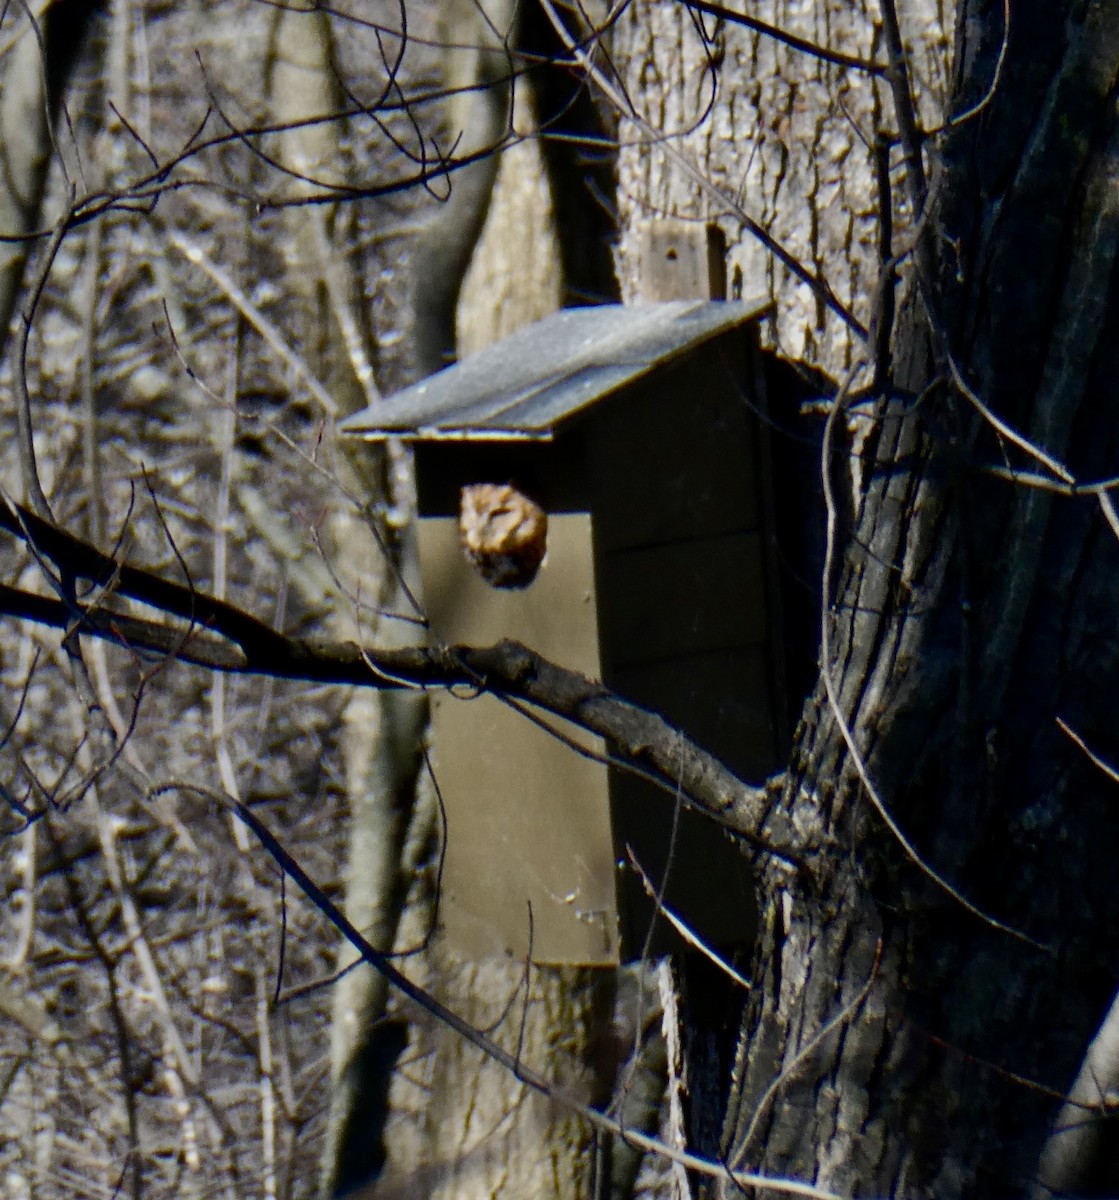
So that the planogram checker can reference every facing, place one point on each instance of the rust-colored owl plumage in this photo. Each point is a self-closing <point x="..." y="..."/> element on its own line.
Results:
<point x="504" y="533"/>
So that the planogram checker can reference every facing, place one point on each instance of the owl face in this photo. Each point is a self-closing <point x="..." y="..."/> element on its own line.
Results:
<point x="504" y="533"/>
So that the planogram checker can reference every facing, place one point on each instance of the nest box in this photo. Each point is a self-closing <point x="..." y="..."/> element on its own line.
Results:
<point x="633" y="440"/>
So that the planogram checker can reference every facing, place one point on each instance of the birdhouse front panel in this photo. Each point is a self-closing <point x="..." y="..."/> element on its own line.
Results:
<point x="528" y="820"/>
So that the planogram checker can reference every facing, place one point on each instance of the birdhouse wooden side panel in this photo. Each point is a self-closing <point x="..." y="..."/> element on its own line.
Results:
<point x="700" y="872"/>
<point x="684" y="597"/>
<point x="528" y="820"/>
<point x="671" y="458"/>
<point x="682" y="551"/>
<point x="722" y="698"/>
<point x="682" y="559"/>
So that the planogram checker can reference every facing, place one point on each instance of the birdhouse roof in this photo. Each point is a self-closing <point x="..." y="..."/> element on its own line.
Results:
<point x="528" y="385"/>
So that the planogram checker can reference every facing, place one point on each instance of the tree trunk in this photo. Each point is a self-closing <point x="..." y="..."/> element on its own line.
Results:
<point x="459" y="1125"/>
<point x="968" y="613"/>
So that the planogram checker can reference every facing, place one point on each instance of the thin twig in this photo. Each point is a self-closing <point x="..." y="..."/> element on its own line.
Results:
<point x="988" y="96"/>
<point x="883" y="307"/>
<point x="1008" y="431"/>
<point x="785" y="38"/>
<point x="428" y="1004"/>
<point x="683" y="929"/>
<point x="1107" y="507"/>
<point x="1046" y="483"/>
<point x="806" y="1051"/>
<point x="32" y="487"/>
<point x="833" y="696"/>
<point x="194" y="254"/>
<point x="897" y="75"/>
<point x="1102" y="763"/>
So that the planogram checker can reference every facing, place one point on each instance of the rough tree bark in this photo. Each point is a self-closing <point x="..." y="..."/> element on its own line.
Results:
<point x="970" y="608"/>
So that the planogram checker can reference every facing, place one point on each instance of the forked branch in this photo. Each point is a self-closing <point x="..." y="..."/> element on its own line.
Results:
<point x="219" y="636"/>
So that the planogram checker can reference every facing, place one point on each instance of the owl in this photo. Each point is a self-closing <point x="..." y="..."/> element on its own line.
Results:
<point x="504" y="533"/>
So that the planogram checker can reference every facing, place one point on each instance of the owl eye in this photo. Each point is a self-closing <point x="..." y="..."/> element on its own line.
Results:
<point x="504" y="533"/>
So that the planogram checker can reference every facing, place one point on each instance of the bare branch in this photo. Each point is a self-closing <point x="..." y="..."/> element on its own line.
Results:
<point x="33" y="488"/>
<point x="429" y="1004"/>
<point x="221" y="637"/>
<point x="787" y="39"/>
